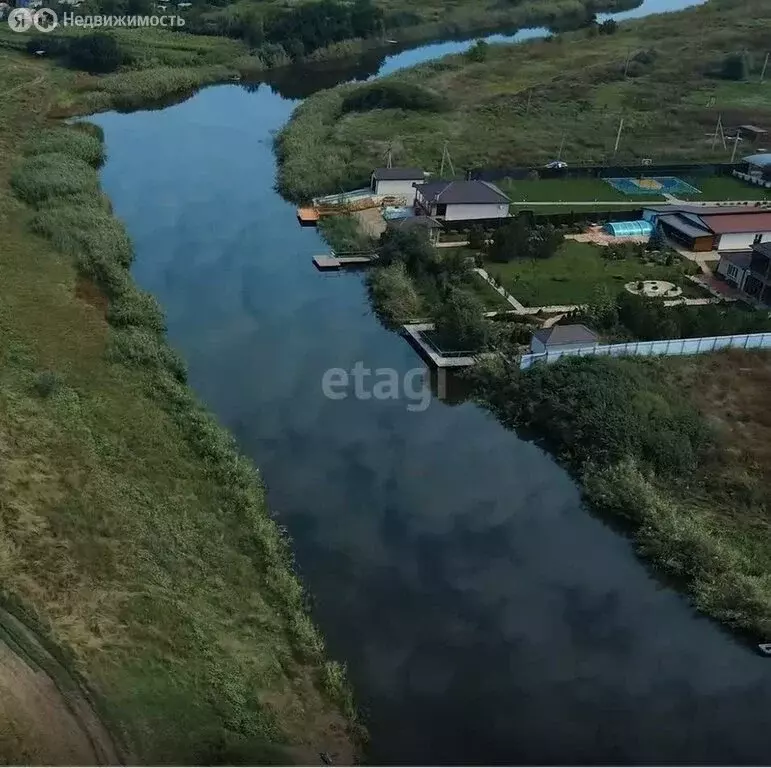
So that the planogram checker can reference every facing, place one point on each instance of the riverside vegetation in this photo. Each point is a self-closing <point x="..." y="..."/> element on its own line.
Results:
<point x="222" y="41"/>
<point x="134" y="538"/>
<point x="669" y="76"/>
<point x="674" y="448"/>
<point x="677" y="449"/>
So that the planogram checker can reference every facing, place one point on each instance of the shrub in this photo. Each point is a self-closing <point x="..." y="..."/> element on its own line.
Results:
<point x="66" y="141"/>
<point x="40" y="177"/>
<point x="394" y="95"/>
<point x="736" y="66"/>
<point x="79" y="230"/>
<point x="98" y="53"/>
<point x="479" y="51"/>
<point x="48" y="383"/>
<point x="139" y="348"/>
<point x="139" y="309"/>
<point x="476" y="238"/>
<point x="393" y="295"/>
<point x="460" y="322"/>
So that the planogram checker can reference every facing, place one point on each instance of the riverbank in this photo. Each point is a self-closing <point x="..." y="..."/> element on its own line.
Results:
<point x="675" y="450"/>
<point x="136" y="539"/>
<point x="518" y="104"/>
<point x="163" y="66"/>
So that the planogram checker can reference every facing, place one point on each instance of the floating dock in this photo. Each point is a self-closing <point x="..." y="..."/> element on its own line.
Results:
<point x="308" y="217"/>
<point x="327" y="262"/>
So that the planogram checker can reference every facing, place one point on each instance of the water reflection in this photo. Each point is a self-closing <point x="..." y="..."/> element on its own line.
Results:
<point x="484" y="615"/>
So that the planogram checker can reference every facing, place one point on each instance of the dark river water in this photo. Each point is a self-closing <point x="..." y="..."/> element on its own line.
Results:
<point x="484" y="614"/>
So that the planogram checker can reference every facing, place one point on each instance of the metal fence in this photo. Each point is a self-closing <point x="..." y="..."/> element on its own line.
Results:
<point x="603" y="171"/>
<point x="648" y="348"/>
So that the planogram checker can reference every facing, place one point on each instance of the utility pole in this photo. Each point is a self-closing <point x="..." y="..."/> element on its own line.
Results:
<point x="765" y="67"/>
<point x="628" y="59"/>
<point x="718" y="128"/>
<point x="618" y="136"/>
<point x="529" y="99"/>
<point x="562" y="146"/>
<point x="736" y="144"/>
<point x="446" y="159"/>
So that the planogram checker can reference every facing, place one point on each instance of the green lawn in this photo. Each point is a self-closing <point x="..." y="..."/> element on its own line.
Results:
<point x="488" y="295"/>
<point x="575" y="273"/>
<point x="569" y="190"/>
<point x="725" y="188"/>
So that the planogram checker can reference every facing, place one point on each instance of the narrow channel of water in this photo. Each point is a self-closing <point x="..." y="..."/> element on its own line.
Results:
<point x="485" y="616"/>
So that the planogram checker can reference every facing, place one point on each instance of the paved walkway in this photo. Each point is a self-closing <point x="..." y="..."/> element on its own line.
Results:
<point x="506" y="295"/>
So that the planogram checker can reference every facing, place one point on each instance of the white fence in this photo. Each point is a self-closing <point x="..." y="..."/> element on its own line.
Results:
<point x="646" y="348"/>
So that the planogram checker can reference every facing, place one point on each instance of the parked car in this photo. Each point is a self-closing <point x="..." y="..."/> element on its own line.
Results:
<point x="558" y="164"/>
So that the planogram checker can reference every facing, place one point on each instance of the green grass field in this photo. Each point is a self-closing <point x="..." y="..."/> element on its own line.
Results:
<point x="133" y="537"/>
<point x="520" y="103"/>
<point x="725" y="188"/>
<point x="569" y="190"/>
<point x="575" y="274"/>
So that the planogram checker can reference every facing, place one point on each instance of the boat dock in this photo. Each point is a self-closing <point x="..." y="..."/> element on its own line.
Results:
<point x="308" y="217"/>
<point x="332" y="261"/>
<point x="415" y="335"/>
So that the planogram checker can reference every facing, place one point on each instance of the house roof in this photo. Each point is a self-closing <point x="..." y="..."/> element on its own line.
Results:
<point x="740" y="259"/>
<point x="753" y="129"/>
<point x="415" y="222"/>
<point x="398" y="174"/>
<point x="759" y="221"/>
<point x="719" y="220"/>
<point x="763" y="159"/>
<point x="462" y="192"/>
<point x="698" y="210"/>
<point x="687" y="226"/>
<point x="764" y="249"/>
<point x="566" y="334"/>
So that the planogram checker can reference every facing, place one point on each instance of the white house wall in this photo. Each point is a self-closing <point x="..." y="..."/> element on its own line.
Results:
<point x="459" y="212"/>
<point x="397" y="188"/>
<point x="741" y="242"/>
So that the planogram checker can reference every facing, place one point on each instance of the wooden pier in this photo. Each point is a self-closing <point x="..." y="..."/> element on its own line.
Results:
<point x="308" y="217"/>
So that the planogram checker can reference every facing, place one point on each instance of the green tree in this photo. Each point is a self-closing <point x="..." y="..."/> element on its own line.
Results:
<point x="656" y="242"/>
<point x="601" y="312"/>
<point x="511" y="241"/>
<point x="608" y="27"/>
<point x="99" y="52"/>
<point x="479" y="51"/>
<point x="460" y="323"/>
<point x="411" y="248"/>
<point x="544" y="241"/>
<point x="476" y="238"/>
<point x="736" y="66"/>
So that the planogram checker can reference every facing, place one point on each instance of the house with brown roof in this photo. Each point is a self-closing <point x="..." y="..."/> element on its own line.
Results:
<point x="471" y="200"/>
<point x="712" y="228"/>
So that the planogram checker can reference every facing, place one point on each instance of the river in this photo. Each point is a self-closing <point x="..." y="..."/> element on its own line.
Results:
<point x="484" y="614"/>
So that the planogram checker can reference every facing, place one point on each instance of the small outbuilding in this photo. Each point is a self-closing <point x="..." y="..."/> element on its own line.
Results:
<point x="752" y="132"/>
<point x="759" y="165"/>
<point x="430" y="226"/>
<point x="559" y="338"/>
<point x="397" y="182"/>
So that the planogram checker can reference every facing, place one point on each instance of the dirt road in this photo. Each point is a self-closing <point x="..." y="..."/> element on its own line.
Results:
<point x="46" y="717"/>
